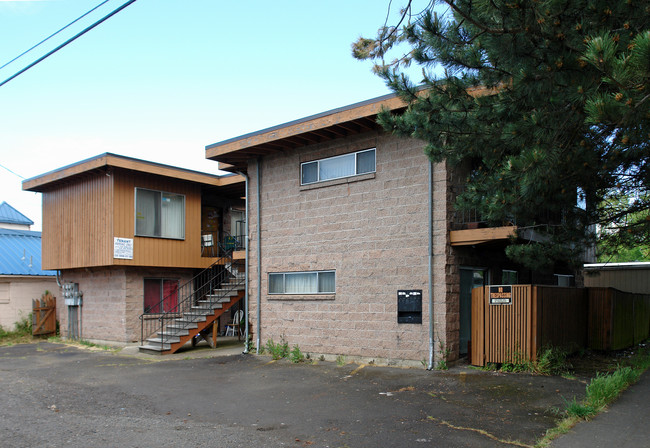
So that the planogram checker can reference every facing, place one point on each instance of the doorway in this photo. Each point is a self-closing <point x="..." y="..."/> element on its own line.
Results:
<point x="470" y="278"/>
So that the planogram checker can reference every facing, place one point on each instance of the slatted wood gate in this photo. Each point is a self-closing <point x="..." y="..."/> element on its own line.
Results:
<point x="44" y="315"/>
<point x="534" y="317"/>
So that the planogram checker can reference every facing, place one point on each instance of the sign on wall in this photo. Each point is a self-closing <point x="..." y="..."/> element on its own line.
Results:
<point x="123" y="248"/>
<point x="501" y="295"/>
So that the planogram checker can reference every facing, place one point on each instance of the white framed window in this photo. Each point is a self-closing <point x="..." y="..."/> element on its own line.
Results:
<point x="310" y="282"/>
<point x="337" y="167"/>
<point x="159" y="214"/>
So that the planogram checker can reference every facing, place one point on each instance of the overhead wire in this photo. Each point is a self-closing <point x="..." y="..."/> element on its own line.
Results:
<point x="54" y="34"/>
<point x="73" y="38"/>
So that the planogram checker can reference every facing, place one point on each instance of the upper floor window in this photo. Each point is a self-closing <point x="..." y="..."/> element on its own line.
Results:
<point x="337" y="167"/>
<point x="159" y="214"/>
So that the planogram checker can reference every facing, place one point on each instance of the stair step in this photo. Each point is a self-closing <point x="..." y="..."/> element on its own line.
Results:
<point x="180" y="324"/>
<point x="208" y="305"/>
<point x="166" y="345"/>
<point x="224" y="292"/>
<point x="176" y="332"/>
<point x="152" y="349"/>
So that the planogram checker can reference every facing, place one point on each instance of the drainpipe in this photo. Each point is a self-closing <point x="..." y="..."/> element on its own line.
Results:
<point x="259" y="256"/>
<point x="430" y="249"/>
<point x="246" y="267"/>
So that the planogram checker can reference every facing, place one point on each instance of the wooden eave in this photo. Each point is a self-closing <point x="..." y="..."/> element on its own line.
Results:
<point x="108" y="161"/>
<point x="233" y="154"/>
<point x="471" y="237"/>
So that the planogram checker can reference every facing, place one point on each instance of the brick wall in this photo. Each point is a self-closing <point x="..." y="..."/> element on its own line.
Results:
<point x="372" y="230"/>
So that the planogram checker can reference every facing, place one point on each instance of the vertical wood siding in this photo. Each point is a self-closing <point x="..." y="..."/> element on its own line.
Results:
<point x="81" y="219"/>
<point x="158" y="251"/>
<point x="77" y="224"/>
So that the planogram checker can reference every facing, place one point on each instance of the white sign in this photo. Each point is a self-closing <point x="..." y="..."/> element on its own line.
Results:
<point x="123" y="248"/>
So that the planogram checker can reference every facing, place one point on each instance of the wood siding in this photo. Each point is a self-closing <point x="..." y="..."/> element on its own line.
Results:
<point x="160" y="252"/>
<point x="77" y="224"/>
<point x="81" y="218"/>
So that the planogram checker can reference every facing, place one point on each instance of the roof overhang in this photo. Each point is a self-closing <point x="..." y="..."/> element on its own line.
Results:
<point x="233" y="154"/>
<point x="49" y="180"/>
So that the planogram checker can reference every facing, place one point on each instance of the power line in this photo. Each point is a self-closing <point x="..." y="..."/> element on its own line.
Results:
<point x="75" y="37"/>
<point x="12" y="172"/>
<point x="54" y="34"/>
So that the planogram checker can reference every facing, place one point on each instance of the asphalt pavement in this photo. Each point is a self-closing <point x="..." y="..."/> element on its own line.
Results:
<point x="57" y="395"/>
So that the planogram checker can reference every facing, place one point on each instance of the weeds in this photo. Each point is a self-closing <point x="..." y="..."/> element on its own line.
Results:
<point x="444" y="354"/>
<point x="279" y="350"/>
<point x="296" y="355"/>
<point x="341" y="360"/>
<point x="22" y="332"/>
<point x="602" y="390"/>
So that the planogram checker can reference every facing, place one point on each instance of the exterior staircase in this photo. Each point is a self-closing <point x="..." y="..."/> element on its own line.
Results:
<point x="206" y="297"/>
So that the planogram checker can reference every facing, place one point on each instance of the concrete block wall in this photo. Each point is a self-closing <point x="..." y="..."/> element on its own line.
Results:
<point x="113" y="300"/>
<point x="372" y="230"/>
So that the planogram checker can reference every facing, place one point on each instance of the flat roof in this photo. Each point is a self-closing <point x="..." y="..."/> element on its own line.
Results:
<point x="49" y="179"/>
<point x="623" y="265"/>
<point x="233" y="154"/>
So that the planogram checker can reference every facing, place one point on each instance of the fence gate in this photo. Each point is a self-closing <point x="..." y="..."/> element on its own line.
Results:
<point x="44" y="315"/>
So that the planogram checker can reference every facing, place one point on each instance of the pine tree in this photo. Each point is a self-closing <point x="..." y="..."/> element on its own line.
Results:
<point x="544" y="104"/>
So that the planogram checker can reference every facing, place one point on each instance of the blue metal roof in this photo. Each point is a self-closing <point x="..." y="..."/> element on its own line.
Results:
<point x="10" y="215"/>
<point x="20" y="253"/>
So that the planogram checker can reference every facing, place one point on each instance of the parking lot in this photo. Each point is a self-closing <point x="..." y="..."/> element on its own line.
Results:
<point x="59" y="395"/>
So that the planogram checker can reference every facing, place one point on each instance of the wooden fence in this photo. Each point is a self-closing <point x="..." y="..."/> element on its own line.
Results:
<point x="513" y="325"/>
<point x="617" y="319"/>
<point x="533" y="317"/>
<point x="44" y="315"/>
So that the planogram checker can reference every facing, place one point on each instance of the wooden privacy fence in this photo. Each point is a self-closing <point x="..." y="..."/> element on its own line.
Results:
<point x="617" y="319"/>
<point x="44" y="315"/>
<point x="513" y="322"/>
<point x="514" y="325"/>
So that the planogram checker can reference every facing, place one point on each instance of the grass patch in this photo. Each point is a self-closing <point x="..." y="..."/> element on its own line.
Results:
<point x="21" y="334"/>
<point x="601" y="391"/>
<point x="550" y="361"/>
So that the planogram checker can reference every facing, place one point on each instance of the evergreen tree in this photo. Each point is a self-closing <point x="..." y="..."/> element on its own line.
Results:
<point x="544" y="104"/>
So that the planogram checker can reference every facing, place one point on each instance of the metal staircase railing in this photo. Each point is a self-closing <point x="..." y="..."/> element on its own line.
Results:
<point x="200" y="288"/>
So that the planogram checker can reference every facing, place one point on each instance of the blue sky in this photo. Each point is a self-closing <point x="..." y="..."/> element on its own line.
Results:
<point x="164" y="78"/>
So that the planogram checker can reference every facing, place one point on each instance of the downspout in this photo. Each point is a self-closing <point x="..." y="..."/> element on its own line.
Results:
<point x="246" y="267"/>
<point x="259" y="256"/>
<point x="430" y="249"/>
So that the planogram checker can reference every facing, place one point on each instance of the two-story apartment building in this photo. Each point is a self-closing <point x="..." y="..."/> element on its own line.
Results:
<point x="355" y="246"/>
<point x="128" y="234"/>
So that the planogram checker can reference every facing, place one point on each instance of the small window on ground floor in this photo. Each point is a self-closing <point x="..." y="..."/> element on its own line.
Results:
<point x="312" y="282"/>
<point x="160" y="295"/>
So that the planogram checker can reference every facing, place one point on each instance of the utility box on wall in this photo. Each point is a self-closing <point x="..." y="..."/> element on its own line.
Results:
<point x="409" y="306"/>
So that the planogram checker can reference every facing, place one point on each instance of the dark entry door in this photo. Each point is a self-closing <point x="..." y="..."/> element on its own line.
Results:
<point x="470" y="278"/>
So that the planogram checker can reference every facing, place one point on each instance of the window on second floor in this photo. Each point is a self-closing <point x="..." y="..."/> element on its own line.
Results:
<point x="346" y="165"/>
<point x="159" y="214"/>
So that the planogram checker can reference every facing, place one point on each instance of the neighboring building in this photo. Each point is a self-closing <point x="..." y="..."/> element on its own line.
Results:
<point x="629" y="277"/>
<point x="21" y="276"/>
<point x="355" y="234"/>
<point x="128" y="234"/>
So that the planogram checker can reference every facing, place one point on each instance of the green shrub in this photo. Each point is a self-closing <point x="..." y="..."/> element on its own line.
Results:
<point x="279" y="350"/>
<point x="296" y="355"/>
